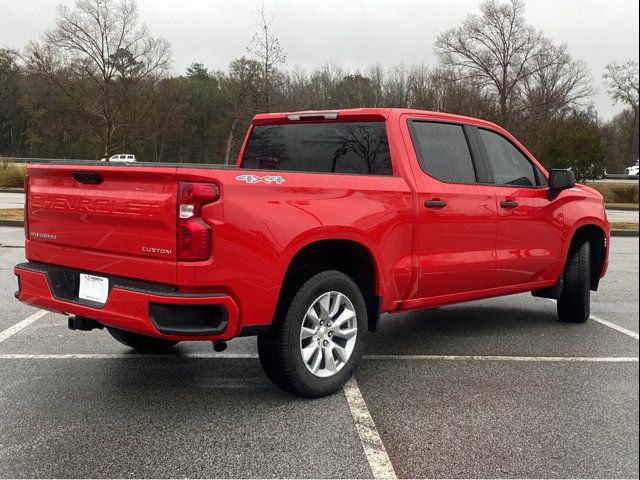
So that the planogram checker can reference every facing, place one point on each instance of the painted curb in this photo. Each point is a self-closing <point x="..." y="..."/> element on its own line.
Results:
<point x="624" y="233"/>
<point x="11" y="223"/>
<point x="621" y="209"/>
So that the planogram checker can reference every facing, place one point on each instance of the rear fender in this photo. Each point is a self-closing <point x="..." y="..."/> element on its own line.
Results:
<point x="330" y="233"/>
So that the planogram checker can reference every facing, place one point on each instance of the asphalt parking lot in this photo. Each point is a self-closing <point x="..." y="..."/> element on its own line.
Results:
<point x="496" y="388"/>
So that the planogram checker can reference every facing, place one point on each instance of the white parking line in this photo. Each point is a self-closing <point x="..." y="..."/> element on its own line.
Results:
<point x="225" y="356"/>
<point x="111" y="356"/>
<point x="374" y="450"/>
<point x="20" y="325"/>
<point x="607" y="323"/>
<point x="502" y="358"/>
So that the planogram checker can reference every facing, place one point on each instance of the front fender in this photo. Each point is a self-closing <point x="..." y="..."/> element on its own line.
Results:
<point x="585" y="211"/>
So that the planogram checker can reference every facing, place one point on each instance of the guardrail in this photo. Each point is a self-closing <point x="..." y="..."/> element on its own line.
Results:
<point x="620" y="176"/>
<point x="11" y="160"/>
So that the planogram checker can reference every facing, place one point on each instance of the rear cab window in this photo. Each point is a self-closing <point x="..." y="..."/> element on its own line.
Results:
<point x="330" y="147"/>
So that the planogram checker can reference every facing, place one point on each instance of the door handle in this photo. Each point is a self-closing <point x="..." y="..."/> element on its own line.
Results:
<point x="89" y="178"/>
<point x="435" y="203"/>
<point x="508" y="204"/>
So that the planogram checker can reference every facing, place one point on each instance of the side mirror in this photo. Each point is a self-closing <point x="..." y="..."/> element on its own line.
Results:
<point x="560" y="180"/>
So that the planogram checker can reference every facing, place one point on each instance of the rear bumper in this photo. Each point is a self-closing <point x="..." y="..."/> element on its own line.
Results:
<point x="141" y="307"/>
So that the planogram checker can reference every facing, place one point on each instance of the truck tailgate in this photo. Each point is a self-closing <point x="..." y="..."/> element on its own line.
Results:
<point x="120" y="219"/>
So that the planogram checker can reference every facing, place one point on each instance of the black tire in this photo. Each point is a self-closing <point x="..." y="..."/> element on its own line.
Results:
<point x="574" y="302"/>
<point x="279" y="349"/>
<point x="142" y="343"/>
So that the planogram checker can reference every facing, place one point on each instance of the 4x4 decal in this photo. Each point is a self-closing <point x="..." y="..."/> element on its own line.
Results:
<point x="256" y="179"/>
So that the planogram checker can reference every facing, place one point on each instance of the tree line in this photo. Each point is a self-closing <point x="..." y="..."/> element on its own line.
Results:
<point x="98" y="83"/>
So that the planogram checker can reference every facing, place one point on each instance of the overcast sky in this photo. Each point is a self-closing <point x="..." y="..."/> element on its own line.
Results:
<point x="351" y="33"/>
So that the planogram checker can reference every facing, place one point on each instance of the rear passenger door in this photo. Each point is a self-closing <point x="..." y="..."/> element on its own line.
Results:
<point x="529" y="241"/>
<point x="457" y="217"/>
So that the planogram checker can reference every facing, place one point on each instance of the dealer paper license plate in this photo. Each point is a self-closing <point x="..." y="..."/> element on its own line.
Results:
<point x="93" y="288"/>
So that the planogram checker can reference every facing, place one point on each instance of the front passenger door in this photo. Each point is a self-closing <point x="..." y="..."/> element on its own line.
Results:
<point x="530" y="226"/>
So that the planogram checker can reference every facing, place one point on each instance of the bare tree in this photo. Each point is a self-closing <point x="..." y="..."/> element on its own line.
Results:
<point x="241" y="90"/>
<point x="105" y="61"/>
<point x="396" y="87"/>
<point x="10" y="82"/>
<point x="622" y="85"/>
<point x="498" y="51"/>
<point x="557" y="84"/>
<point x="420" y="94"/>
<point x="322" y="83"/>
<point x="355" y="91"/>
<point x="266" y="48"/>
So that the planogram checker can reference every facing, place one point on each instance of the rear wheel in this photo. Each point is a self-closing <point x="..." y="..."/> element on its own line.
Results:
<point x="574" y="302"/>
<point x="314" y="349"/>
<point x="139" y="342"/>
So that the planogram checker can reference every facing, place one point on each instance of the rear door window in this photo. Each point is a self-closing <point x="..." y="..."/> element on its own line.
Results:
<point x="507" y="165"/>
<point x="341" y="147"/>
<point x="443" y="151"/>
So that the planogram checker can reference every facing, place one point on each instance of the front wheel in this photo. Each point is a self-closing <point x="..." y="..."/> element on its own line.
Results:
<point x="139" y="342"/>
<point x="314" y="349"/>
<point x="574" y="302"/>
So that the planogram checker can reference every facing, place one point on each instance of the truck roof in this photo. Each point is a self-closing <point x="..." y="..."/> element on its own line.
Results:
<point x="364" y="114"/>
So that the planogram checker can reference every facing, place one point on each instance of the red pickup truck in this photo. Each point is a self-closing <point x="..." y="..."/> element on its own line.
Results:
<point x="327" y="220"/>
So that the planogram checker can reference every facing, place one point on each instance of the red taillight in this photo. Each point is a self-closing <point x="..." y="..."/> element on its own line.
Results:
<point x="26" y="207"/>
<point x="194" y="235"/>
